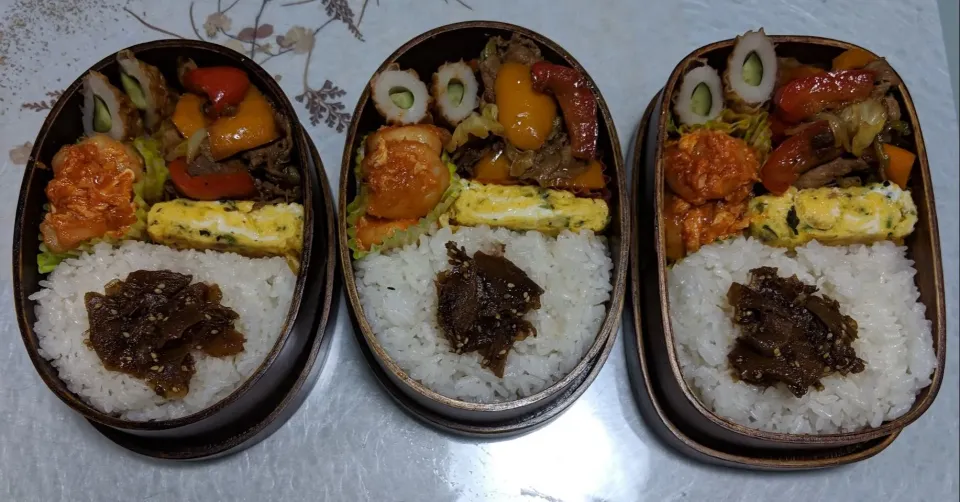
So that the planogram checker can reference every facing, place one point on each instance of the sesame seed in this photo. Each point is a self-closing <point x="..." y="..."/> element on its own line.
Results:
<point x="510" y="285"/>
<point x="154" y="368"/>
<point x="153" y="355"/>
<point x="152" y="317"/>
<point x="502" y="352"/>
<point x="214" y="331"/>
<point x="175" y="388"/>
<point x="207" y="316"/>
<point x="198" y="347"/>
<point x="126" y="334"/>
<point x="161" y="285"/>
<point x="113" y="311"/>
<point x="157" y="290"/>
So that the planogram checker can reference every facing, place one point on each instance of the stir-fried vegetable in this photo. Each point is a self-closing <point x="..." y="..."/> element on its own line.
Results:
<point x="215" y="186"/>
<point x="805" y="97"/>
<point x="155" y="170"/>
<point x="224" y="85"/>
<point x="526" y="114"/>
<point x="791" y="69"/>
<point x="590" y="180"/>
<point x="899" y="164"/>
<point x="857" y="125"/>
<point x="810" y="147"/>
<point x="494" y="169"/>
<point x="852" y="59"/>
<point x="479" y="125"/>
<point x="188" y="116"/>
<point x="253" y="125"/>
<point x="577" y="102"/>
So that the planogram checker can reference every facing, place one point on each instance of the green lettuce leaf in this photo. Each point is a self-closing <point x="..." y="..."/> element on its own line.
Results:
<point x="150" y="187"/>
<point x="480" y="125"/>
<point x="753" y="128"/>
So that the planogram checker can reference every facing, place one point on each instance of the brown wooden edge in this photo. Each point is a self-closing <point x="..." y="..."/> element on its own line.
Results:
<point x="22" y="254"/>
<point x="926" y="396"/>
<point x="614" y="311"/>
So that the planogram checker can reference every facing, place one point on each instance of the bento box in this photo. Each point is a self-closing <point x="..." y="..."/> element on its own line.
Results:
<point x="801" y="264"/>
<point x="170" y="253"/>
<point x="483" y="227"/>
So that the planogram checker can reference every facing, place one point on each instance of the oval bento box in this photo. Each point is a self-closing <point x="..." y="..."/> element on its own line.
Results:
<point x="651" y="302"/>
<point x="672" y="428"/>
<point x="273" y="392"/>
<point x="424" y="54"/>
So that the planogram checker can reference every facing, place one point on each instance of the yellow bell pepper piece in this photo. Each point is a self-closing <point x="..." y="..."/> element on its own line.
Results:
<point x="253" y="125"/>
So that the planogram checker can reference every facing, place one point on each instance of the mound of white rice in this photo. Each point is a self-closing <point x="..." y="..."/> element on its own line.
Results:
<point x="259" y="290"/>
<point x="874" y="285"/>
<point x="399" y="299"/>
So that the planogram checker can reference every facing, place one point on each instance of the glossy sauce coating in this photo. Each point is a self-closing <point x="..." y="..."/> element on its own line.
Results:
<point x="253" y="125"/>
<point x="527" y="115"/>
<point x="709" y="165"/>
<point x="91" y="194"/>
<point x="404" y="172"/>
<point x="149" y="324"/>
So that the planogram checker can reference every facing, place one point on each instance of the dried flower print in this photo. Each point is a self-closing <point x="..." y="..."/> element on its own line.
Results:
<point x="235" y="45"/>
<point x="298" y="38"/>
<point x="322" y="106"/>
<point x="250" y="34"/>
<point x="45" y="104"/>
<point x="218" y="21"/>
<point x="21" y="154"/>
<point x="257" y="38"/>
<point x="339" y="10"/>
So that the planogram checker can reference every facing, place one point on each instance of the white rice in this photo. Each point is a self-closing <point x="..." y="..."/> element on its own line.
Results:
<point x="259" y="290"/>
<point x="874" y="285"/>
<point x="399" y="299"/>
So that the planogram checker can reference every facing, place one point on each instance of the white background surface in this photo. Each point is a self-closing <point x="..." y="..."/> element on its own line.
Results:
<point x="349" y="441"/>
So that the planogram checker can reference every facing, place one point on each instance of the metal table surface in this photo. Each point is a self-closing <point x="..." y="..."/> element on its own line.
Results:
<point x="349" y="441"/>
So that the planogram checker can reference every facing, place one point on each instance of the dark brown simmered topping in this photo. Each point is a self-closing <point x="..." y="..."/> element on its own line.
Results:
<point x="482" y="301"/>
<point x="148" y="325"/>
<point x="789" y="335"/>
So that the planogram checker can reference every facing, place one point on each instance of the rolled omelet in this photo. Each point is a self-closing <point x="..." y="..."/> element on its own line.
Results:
<point x="833" y="216"/>
<point x="527" y="208"/>
<point x="237" y="226"/>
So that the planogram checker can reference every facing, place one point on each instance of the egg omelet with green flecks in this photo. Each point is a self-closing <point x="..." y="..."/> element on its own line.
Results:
<point x="527" y="208"/>
<point x="237" y="226"/>
<point x="833" y="216"/>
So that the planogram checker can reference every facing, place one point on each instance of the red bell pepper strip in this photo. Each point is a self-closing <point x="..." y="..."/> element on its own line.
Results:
<point x="577" y="102"/>
<point x="778" y="129"/>
<point x="801" y="152"/>
<point x="804" y="97"/>
<point x="235" y="185"/>
<point x="224" y="85"/>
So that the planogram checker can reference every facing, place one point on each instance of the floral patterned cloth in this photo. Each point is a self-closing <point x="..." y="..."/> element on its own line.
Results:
<point x="349" y="442"/>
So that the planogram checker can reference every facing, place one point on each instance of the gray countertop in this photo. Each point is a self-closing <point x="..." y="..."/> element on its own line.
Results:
<point x="349" y="441"/>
